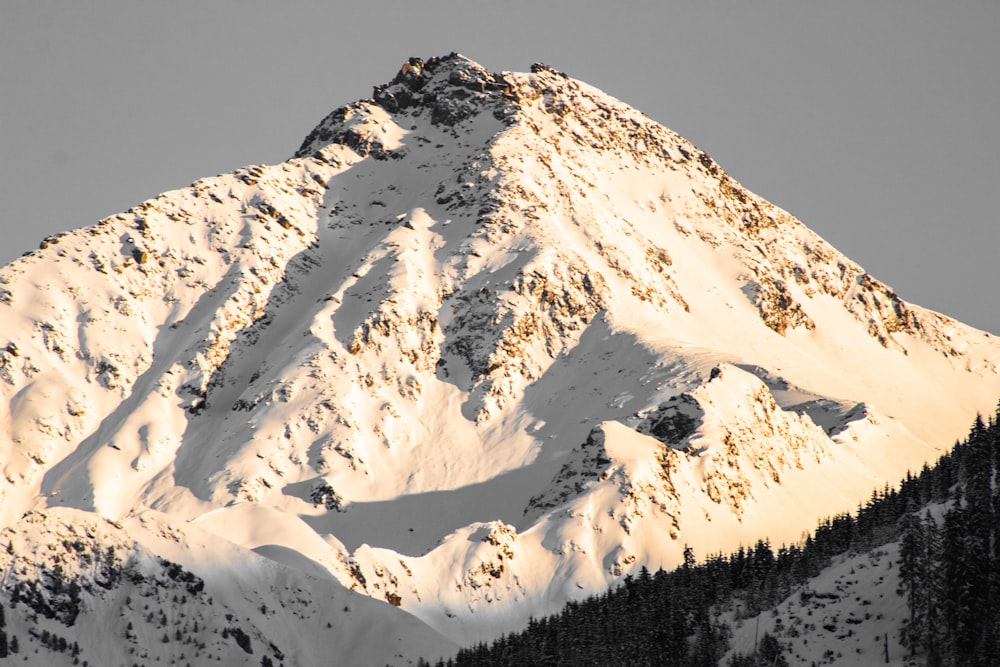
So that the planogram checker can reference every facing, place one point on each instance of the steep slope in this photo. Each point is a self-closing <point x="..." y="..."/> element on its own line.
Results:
<point x="82" y="588"/>
<point x="849" y="614"/>
<point x="486" y="343"/>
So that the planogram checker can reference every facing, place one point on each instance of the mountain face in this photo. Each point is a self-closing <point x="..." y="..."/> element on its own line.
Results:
<point x="488" y="342"/>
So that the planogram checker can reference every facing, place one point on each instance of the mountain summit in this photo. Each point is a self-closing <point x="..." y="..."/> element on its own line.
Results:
<point x="487" y="343"/>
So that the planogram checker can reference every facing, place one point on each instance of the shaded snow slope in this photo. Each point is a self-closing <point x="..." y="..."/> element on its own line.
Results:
<point x="146" y="590"/>
<point x="849" y="614"/>
<point x="488" y="342"/>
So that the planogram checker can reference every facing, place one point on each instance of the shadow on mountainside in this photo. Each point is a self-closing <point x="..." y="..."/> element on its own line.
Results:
<point x="567" y="402"/>
<point x="81" y="493"/>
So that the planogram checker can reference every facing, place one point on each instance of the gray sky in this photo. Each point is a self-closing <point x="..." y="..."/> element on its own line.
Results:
<point x="875" y="123"/>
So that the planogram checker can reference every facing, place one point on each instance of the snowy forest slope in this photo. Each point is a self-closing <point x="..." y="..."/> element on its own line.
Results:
<point x="910" y="578"/>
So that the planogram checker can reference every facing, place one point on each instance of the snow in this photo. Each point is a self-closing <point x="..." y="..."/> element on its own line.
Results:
<point x="841" y="616"/>
<point x="458" y="320"/>
<point x="284" y="610"/>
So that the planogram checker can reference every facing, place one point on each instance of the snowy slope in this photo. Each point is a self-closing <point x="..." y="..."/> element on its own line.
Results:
<point x="850" y="614"/>
<point x="146" y="590"/>
<point x="488" y="342"/>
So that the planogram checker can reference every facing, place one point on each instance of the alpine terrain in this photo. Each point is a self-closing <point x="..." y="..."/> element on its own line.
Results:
<point x="489" y="342"/>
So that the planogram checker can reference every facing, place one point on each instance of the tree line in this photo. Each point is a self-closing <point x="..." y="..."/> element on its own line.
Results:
<point x="950" y="557"/>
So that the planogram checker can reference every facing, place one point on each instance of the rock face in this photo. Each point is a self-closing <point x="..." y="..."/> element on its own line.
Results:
<point x="487" y="343"/>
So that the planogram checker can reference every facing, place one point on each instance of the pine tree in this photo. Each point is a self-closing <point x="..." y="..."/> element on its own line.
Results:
<point x="770" y="652"/>
<point x="912" y="577"/>
<point x="930" y="599"/>
<point x="964" y="584"/>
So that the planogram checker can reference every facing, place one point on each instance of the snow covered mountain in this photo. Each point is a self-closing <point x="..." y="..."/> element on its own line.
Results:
<point x="487" y="343"/>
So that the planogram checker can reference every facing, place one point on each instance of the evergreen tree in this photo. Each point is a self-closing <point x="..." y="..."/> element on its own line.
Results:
<point x="931" y="592"/>
<point x="964" y="584"/>
<point x="912" y="575"/>
<point x="770" y="652"/>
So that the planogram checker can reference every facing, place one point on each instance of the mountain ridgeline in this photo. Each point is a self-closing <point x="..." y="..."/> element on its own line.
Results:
<point x="943" y="521"/>
<point x="488" y="343"/>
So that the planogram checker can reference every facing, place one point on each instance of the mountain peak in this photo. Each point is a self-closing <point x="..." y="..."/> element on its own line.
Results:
<point x="427" y="83"/>
<point x="449" y="88"/>
<point x="384" y="360"/>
